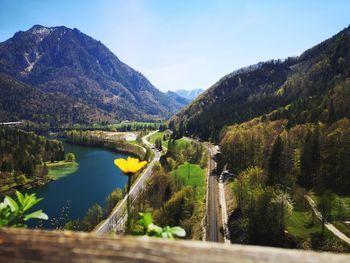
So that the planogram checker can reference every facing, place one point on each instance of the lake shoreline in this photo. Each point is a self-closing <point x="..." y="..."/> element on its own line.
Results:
<point x="61" y="169"/>
<point x="107" y="141"/>
<point x="38" y="182"/>
<point x="27" y="186"/>
<point x="71" y="196"/>
<point x="114" y="146"/>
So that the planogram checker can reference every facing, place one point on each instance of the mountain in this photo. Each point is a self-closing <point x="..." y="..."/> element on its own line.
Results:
<point x="190" y="95"/>
<point x="309" y="88"/>
<point x="180" y="99"/>
<point x="59" y="60"/>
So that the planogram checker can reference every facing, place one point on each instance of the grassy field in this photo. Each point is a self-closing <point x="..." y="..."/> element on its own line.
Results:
<point x="61" y="168"/>
<point x="135" y="126"/>
<point x="299" y="224"/>
<point x="342" y="227"/>
<point x="181" y="143"/>
<point x="344" y="210"/>
<point x="193" y="175"/>
<point x="158" y="135"/>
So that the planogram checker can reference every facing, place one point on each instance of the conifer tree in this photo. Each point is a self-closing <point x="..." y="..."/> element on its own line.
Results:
<point x="275" y="164"/>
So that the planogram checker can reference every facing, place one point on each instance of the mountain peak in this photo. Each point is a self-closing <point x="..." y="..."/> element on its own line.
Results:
<point x="35" y="27"/>
<point x="39" y="32"/>
<point x="39" y="29"/>
<point x="66" y="61"/>
<point x="44" y="30"/>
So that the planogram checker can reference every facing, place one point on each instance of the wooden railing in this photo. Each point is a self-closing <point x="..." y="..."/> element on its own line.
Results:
<point x="24" y="245"/>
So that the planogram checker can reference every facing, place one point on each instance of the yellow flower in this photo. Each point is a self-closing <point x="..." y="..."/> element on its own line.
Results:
<point x="129" y="166"/>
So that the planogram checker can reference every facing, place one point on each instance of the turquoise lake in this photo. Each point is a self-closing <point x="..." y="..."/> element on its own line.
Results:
<point x="71" y="196"/>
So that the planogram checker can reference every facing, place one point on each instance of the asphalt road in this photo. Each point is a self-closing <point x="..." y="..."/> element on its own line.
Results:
<point x="214" y="222"/>
<point x="118" y="214"/>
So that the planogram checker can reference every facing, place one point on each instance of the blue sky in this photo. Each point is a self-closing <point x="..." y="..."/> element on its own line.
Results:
<point x="187" y="44"/>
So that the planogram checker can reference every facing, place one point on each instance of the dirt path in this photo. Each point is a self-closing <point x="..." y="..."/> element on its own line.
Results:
<point x="329" y="226"/>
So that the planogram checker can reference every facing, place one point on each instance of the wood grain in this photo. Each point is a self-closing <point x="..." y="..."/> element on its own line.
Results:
<point x="24" y="245"/>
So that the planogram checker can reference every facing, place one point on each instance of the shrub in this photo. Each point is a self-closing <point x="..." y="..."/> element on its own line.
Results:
<point x="70" y="157"/>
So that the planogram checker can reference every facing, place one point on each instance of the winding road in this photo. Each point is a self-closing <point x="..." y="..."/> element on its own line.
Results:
<point x="213" y="221"/>
<point x="117" y="216"/>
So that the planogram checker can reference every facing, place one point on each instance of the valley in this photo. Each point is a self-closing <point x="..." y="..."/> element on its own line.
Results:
<point x="261" y="157"/>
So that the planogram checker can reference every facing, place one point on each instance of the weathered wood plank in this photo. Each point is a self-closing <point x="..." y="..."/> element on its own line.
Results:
<point x="24" y="245"/>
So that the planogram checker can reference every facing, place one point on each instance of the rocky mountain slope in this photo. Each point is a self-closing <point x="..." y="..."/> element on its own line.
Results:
<point x="59" y="60"/>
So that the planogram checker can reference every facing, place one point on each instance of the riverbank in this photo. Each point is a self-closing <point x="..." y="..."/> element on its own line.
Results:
<point x="21" y="183"/>
<point x="21" y="156"/>
<point x="60" y="169"/>
<point x="56" y="170"/>
<point x="94" y="140"/>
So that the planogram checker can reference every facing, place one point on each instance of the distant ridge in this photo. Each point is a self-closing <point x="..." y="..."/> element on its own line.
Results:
<point x="190" y="95"/>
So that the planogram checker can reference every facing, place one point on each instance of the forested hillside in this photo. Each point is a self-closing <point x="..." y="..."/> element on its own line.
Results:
<point x="20" y="101"/>
<point x="274" y="167"/>
<point x="23" y="156"/>
<point x="315" y="156"/>
<point x="304" y="89"/>
<point x="284" y="131"/>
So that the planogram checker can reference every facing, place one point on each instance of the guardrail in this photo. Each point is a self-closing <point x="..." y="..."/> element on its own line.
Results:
<point x="25" y="245"/>
<point x="116" y="219"/>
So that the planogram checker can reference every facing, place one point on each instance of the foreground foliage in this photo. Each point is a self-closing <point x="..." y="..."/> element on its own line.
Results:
<point x="145" y="226"/>
<point x="15" y="213"/>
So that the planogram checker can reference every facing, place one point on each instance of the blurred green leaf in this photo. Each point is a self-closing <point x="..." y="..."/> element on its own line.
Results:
<point x="178" y="231"/>
<point x="11" y="203"/>
<point x="12" y="212"/>
<point x="36" y="215"/>
<point x="20" y="197"/>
